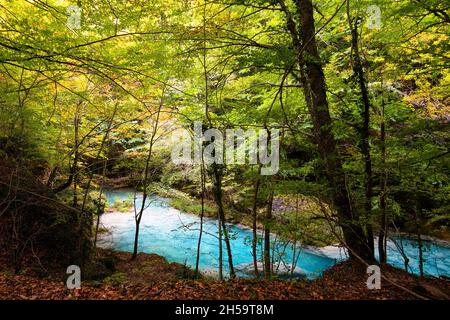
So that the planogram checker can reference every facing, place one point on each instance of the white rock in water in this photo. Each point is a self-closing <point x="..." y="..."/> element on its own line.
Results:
<point x="336" y="252"/>
<point x="248" y="268"/>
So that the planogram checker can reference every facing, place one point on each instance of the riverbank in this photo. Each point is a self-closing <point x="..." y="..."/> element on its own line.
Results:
<point x="341" y="282"/>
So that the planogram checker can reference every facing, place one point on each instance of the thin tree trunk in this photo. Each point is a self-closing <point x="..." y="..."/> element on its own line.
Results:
<point x="383" y="223"/>
<point x="88" y="218"/>
<point x="219" y="227"/>
<point x="75" y="161"/>
<point x="100" y="205"/>
<point x="419" y="237"/>
<point x="267" y="261"/>
<point x="254" y="223"/>
<point x="97" y="225"/>
<point x="145" y="181"/>
<point x="136" y="236"/>
<point x="217" y="187"/>
<point x="401" y="248"/>
<point x="217" y="176"/>
<point x="219" y="202"/>
<point x="294" y="256"/>
<point x="202" y="175"/>
<point x="364" y="103"/>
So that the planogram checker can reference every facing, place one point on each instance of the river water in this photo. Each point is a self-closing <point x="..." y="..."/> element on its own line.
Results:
<point x="173" y="234"/>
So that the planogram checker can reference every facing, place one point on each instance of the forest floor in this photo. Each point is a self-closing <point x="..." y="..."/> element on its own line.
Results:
<point x="152" y="277"/>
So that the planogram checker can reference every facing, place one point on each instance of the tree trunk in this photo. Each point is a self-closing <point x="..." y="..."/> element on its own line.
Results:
<point x="295" y="255"/>
<point x="383" y="223"/>
<point x="202" y="177"/>
<point x="267" y="261"/>
<point x="145" y="181"/>
<point x="136" y="239"/>
<point x="254" y="226"/>
<point x="86" y="215"/>
<point x="364" y="103"/>
<point x="75" y="161"/>
<point x="222" y="220"/>
<point x="100" y="204"/>
<point x="97" y="225"/>
<point x="417" y="215"/>
<point x="219" y="228"/>
<point x="419" y="238"/>
<point x="318" y="108"/>
<point x="217" y="179"/>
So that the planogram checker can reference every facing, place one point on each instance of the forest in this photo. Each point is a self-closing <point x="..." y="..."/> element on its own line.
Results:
<point x="224" y="149"/>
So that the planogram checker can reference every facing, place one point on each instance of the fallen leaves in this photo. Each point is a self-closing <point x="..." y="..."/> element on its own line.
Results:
<point x="340" y="282"/>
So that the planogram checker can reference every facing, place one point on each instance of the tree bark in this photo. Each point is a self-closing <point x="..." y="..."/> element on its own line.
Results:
<point x="75" y="161"/>
<point x="364" y="103"/>
<point x="267" y="261"/>
<point x="417" y="215"/>
<point x="202" y="177"/>
<point x="222" y="220"/>
<point x="145" y="181"/>
<point x="100" y="204"/>
<point x="219" y="227"/>
<point x="383" y="223"/>
<point x="216" y="174"/>
<point x="254" y="226"/>
<point x="86" y="215"/>
<point x="314" y="84"/>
